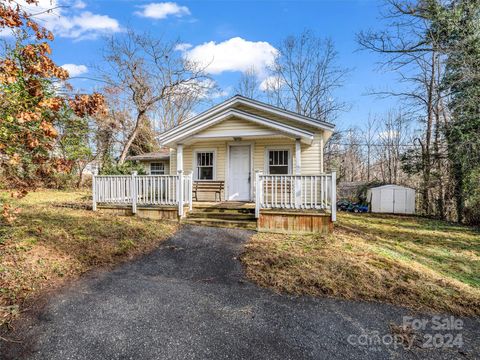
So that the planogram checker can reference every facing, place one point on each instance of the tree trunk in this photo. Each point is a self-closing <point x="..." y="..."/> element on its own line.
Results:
<point x="460" y="201"/>
<point x="131" y="138"/>
<point x="428" y="136"/>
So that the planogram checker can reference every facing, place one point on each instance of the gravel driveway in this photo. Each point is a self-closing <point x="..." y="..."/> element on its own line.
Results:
<point x="189" y="300"/>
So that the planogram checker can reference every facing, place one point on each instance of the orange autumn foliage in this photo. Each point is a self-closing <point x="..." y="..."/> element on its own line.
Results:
<point x="30" y="106"/>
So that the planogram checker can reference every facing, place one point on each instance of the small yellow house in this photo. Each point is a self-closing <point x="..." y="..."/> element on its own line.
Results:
<point x="231" y="141"/>
<point x="242" y="163"/>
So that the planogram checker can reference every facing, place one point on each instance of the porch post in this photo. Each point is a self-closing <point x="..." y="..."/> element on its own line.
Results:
<point x="133" y="191"/>
<point x="180" y="190"/>
<point x="180" y="157"/>
<point x="334" y="196"/>
<point x="190" y="190"/>
<point x="94" y="193"/>
<point x="258" y="193"/>
<point x="298" y="172"/>
<point x="298" y="157"/>
<point x="321" y="154"/>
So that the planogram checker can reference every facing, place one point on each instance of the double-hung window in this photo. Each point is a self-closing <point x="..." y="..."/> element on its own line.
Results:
<point x="205" y="164"/>
<point x="278" y="162"/>
<point x="157" y="168"/>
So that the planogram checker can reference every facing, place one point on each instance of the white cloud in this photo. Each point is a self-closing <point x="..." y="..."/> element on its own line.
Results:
<point x="75" y="70"/>
<point x="85" y="25"/>
<point x="67" y="20"/>
<point x="79" y="4"/>
<point x="271" y="83"/>
<point x="183" y="47"/>
<point x="162" y="10"/>
<point x="235" y="54"/>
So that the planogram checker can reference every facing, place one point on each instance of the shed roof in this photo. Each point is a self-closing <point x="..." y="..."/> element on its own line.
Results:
<point x="390" y="186"/>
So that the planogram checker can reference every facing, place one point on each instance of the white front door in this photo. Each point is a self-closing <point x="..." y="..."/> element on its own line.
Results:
<point x="239" y="173"/>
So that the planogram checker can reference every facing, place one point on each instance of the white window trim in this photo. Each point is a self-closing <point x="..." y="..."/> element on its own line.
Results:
<point x="157" y="162"/>
<point x="195" y="152"/>
<point x="284" y="148"/>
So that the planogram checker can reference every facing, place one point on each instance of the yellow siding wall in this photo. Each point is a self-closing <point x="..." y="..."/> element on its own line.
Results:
<point x="260" y="146"/>
<point x="233" y="125"/>
<point x="311" y="156"/>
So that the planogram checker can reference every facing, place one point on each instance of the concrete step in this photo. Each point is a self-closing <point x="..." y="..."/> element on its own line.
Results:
<point x="221" y="215"/>
<point x="240" y="224"/>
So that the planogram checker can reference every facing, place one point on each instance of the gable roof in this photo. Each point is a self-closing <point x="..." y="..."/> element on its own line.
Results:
<point x="284" y="121"/>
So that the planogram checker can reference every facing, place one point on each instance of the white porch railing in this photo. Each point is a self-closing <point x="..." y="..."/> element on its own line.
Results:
<point x="271" y="191"/>
<point x="143" y="190"/>
<point x="296" y="192"/>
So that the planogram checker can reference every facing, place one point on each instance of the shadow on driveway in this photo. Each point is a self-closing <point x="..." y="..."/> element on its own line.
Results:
<point x="189" y="299"/>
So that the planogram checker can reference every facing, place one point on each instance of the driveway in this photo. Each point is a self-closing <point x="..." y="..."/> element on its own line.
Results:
<point x="189" y="300"/>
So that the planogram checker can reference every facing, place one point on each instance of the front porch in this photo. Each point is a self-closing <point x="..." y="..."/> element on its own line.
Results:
<point x="283" y="203"/>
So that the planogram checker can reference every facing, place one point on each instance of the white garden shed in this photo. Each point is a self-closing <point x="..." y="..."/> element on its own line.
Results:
<point x="393" y="199"/>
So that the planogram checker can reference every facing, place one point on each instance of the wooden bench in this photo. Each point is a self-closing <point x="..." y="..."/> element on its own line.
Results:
<point x="208" y="186"/>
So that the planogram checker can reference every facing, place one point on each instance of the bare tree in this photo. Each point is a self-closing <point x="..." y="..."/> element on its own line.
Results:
<point x="369" y="136"/>
<point x="147" y="73"/>
<point x="392" y="139"/>
<point x="351" y="168"/>
<point x="412" y="48"/>
<point x="177" y="106"/>
<point x="305" y="75"/>
<point x="248" y="84"/>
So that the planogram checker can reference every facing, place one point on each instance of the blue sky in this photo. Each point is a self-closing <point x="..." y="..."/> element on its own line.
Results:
<point x="80" y="25"/>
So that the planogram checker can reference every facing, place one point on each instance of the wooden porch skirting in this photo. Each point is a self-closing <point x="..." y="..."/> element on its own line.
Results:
<point x="294" y="222"/>
<point x="154" y="213"/>
<point x="273" y="221"/>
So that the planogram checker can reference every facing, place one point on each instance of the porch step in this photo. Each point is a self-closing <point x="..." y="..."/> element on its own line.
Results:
<point x="241" y="224"/>
<point x="223" y="209"/>
<point x="224" y="215"/>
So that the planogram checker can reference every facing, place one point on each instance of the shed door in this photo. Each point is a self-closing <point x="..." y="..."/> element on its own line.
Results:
<point x="400" y="201"/>
<point x="239" y="173"/>
<point x="386" y="201"/>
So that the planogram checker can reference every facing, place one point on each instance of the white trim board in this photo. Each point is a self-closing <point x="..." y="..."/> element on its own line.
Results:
<point x="214" y="111"/>
<point x="304" y="135"/>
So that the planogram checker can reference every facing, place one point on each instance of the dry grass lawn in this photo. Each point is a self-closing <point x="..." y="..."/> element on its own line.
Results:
<point x="420" y="263"/>
<point x="49" y="244"/>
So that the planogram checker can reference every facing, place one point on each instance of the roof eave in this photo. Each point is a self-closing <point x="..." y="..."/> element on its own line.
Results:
<point x="246" y="101"/>
<point x="302" y="134"/>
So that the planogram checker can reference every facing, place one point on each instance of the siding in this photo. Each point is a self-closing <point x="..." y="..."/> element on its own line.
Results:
<point x="235" y="127"/>
<point x="261" y="145"/>
<point x="311" y="154"/>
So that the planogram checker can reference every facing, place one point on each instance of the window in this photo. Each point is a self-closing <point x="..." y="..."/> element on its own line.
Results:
<point x="205" y="165"/>
<point x="157" y="169"/>
<point x="278" y="162"/>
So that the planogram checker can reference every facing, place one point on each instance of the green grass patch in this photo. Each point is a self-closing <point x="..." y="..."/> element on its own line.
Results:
<point x="405" y="260"/>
